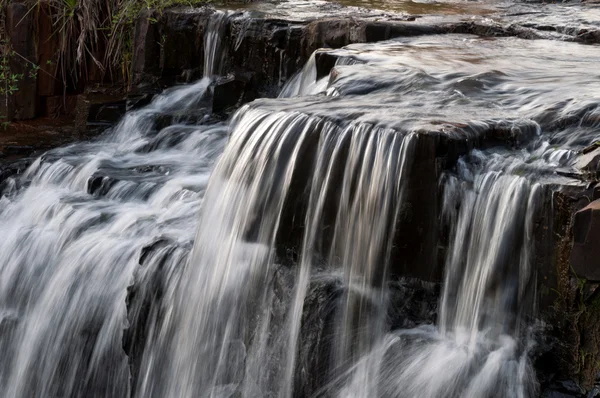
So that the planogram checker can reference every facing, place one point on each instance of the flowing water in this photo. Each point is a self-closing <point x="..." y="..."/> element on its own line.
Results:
<point x="257" y="257"/>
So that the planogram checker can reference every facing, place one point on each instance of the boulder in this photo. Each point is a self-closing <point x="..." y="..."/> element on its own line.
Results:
<point x="589" y="160"/>
<point x="230" y="91"/>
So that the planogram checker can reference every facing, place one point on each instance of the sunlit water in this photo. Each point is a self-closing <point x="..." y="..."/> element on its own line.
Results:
<point x="152" y="262"/>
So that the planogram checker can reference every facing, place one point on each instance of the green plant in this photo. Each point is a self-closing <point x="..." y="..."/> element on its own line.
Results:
<point x="8" y="80"/>
<point x="96" y="31"/>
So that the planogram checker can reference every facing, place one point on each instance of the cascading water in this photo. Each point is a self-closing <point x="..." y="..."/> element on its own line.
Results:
<point x="213" y="57"/>
<point x="233" y="263"/>
<point x="111" y="285"/>
<point x="71" y="245"/>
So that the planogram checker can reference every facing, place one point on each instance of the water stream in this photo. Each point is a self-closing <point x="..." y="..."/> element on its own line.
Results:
<point x="254" y="258"/>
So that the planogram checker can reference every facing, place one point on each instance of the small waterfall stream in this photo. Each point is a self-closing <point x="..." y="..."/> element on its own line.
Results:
<point x="254" y="258"/>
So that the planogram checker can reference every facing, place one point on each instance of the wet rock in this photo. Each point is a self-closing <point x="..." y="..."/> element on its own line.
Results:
<point x="415" y="253"/>
<point x="492" y="30"/>
<point x="136" y="101"/>
<point x="182" y="40"/>
<point x="563" y="389"/>
<point x="589" y="160"/>
<point x="324" y="62"/>
<point x="585" y="256"/>
<point x="229" y="91"/>
<point x="378" y="31"/>
<point x="332" y="33"/>
<point x="591" y="36"/>
<point x="412" y="303"/>
<point x="167" y="138"/>
<point x="152" y="248"/>
<point x="268" y="49"/>
<point x="8" y="173"/>
<point x="100" y="185"/>
<point x="160" y="261"/>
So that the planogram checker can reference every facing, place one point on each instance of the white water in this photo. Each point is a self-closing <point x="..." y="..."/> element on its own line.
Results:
<point x="68" y="255"/>
<point x="253" y="259"/>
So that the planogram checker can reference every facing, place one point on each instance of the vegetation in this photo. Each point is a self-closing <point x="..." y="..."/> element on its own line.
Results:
<point x="83" y="26"/>
<point x="86" y="31"/>
<point x="119" y="50"/>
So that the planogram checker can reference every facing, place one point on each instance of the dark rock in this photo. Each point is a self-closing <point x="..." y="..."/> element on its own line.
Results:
<point x="105" y="113"/>
<point x="18" y="25"/>
<point x="332" y="33"/>
<point x="563" y="389"/>
<point x="61" y="105"/>
<point x="182" y="40"/>
<point x="160" y="261"/>
<point x="10" y="170"/>
<point x="378" y="31"/>
<point x="414" y="254"/>
<point x="82" y="110"/>
<point x="135" y="101"/>
<point x="585" y="256"/>
<point x="146" y="47"/>
<point x="151" y="248"/>
<point x="267" y="49"/>
<point x="228" y="92"/>
<point x="48" y="84"/>
<point x="325" y="62"/>
<point x="588" y="36"/>
<point x="589" y="160"/>
<point x="100" y="185"/>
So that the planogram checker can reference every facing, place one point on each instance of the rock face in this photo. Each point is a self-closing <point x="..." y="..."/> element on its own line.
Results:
<point x="585" y="255"/>
<point x="170" y="48"/>
<point x="18" y="25"/>
<point x="146" y="47"/>
<point x="589" y="161"/>
<point x="47" y="49"/>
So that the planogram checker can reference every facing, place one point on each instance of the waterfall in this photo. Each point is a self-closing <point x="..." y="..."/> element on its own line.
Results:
<point x="305" y="81"/>
<point x="235" y="313"/>
<point x="215" y="31"/>
<point x="71" y="242"/>
<point x="176" y="256"/>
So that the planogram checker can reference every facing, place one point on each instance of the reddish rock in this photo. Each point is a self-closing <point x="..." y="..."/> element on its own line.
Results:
<point x="585" y="255"/>
<point x="48" y="84"/>
<point x="19" y="22"/>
